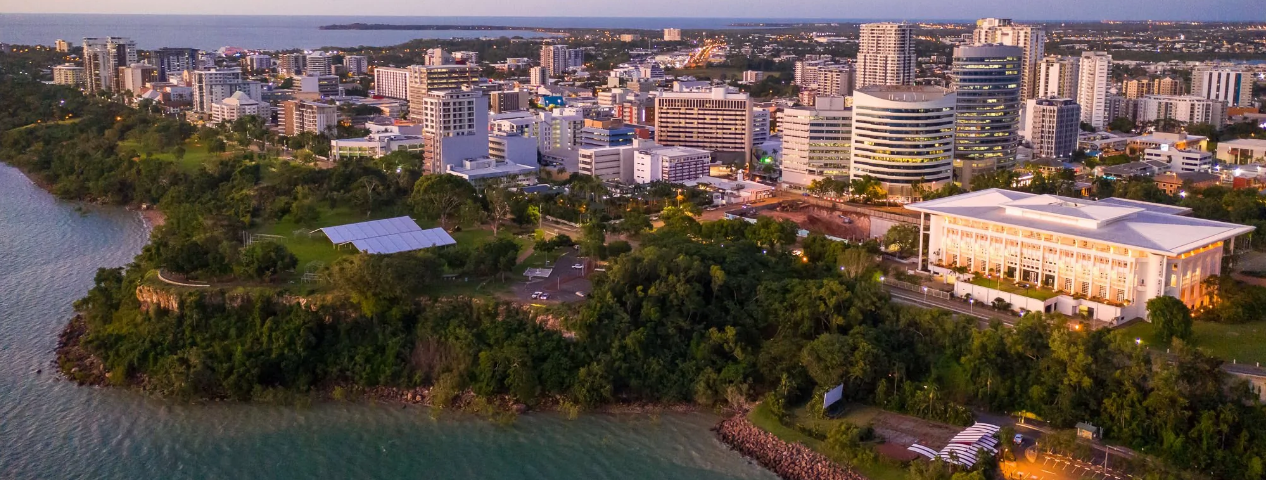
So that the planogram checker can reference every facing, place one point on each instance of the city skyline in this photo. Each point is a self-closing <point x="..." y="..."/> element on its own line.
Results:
<point x="955" y="10"/>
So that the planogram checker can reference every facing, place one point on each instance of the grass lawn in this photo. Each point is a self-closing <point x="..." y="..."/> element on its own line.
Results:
<point x="1009" y="287"/>
<point x="882" y="470"/>
<point x="59" y="122"/>
<point x="196" y="155"/>
<point x="1244" y="343"/>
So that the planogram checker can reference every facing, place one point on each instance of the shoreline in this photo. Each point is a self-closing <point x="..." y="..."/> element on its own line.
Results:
<point x="789" y="461"/>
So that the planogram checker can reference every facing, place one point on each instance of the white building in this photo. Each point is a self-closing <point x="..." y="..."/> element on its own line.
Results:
<point x="1092" y="88"/>
<point x="237" y="106"/>
<point x="1030" y="39"/>
<point x="437" y="56"/>
<point x="1242" y="151"/>
<point x="102" y="59"/>
<point x="1181" y="161"/>
<point x="610" y="164"/>
<point x="291" y="63"/>
<point x="554" y="59"/>
<point x="298" y="117"/>
<point x="319" y="63"/>
<point x="716" y="120"/>
<point x="1052" y="125"/>
<point x="760" y="126"/>
<point x="815" y="142"/>
<point x="902" y="135"/>
<point x="672" y="34"/>
<point x="1113" y="255"/>
<point x="1057" y="77"/>
<point x="480" y="171"/>
<point x="455" y="126"/>
<point x="732" y="192"/>
<point x="212" y="86"/>
<point x="1229" y="84"/>
<point x="538" y="76"/>
<point x="375" y="145"/>
<point x="670" y="164"/>
<point x="513" y="148"/>
<point x="392" y="82"/>
<point x="356" y="64"/>
<point x="1187" y="109"/>
<point x="256" y="63"/>
<point x="886" y="54"/>
<point x="69" y="74"/>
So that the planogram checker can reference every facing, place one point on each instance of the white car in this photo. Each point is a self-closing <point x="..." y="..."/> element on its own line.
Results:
<point x="578" y="266"/>
<point x="580" y="294"/>
<point x="544" y="296"/>
<point x="536" y="295"/>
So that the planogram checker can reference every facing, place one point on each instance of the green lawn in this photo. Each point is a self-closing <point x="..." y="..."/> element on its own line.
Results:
<point x="1244" y="343"/>
<point x="1010" y="287"/>
<point x="59" y="122"/>
<point x="882" y="470"/>
<point x="196" y="155"/>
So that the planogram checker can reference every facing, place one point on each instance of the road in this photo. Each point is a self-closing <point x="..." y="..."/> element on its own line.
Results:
<point x="563" y="282"/>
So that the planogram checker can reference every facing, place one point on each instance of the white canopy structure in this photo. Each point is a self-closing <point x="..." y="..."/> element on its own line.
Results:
<point x="965" y="447"/>
<point x="391" y="235"/>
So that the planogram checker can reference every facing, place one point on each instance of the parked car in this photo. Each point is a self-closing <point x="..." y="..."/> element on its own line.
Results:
<point x="1019" y="439"/>
<point x="580" y="294"/>
<point x="578" y="266"/>
<point x="536" y="295"/>
<point x="544" y="296"/>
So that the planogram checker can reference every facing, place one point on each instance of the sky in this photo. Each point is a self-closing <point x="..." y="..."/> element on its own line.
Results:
<point x="1222" y="10"/>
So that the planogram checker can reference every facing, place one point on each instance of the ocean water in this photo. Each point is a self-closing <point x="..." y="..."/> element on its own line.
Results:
<point x="52" y="428"/>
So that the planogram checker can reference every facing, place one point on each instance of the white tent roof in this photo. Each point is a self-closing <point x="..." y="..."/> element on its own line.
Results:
<point x="391" y="235"/>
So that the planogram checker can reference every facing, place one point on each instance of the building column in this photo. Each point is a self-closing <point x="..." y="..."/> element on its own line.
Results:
<point x="920" y="264"/>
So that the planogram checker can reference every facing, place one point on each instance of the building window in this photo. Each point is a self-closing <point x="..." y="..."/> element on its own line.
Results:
<point x="1103" y="291"/>
<point x="1068" y="284"/>
<point x="1085" y="289"/>
<point x="1173" y="280"/>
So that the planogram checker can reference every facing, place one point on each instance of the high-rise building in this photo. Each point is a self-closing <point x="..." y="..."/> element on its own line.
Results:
<point x="171" y="61"/>
<point x="1186" y="109"/>
<point x="1136" y="87"/>
<point x="1168" y="86"/>
<point x="986" y="79"/>
<point x="62" y="46"/>
<point x="815" y="142"/>
<point x="575" y="58"/>
<point x="554" y="59"/>
<point x="257" y="63"/>
<point x="319" y="63"/>
<point x="211" y="86"/>
<point x="670" y="164"/>
<point x="356" y="64"/>
<point x="292" y="63"/>
<point x="902" y="135"/>
<point x="538" y="76"/>
<point x="836" y="80"/>
<point x="454" y="127"/>
<point x="69" y="74"/>
<point x="1092" y="88"/>
<point x="429" y="78"/>
<point x="1058" y="77"/>
<point x="1229" y="84"/>
<point x="605" y="133"/>
<point x="508" y="101"/>
<point x="1052" y="126"/>
<point x="886" y="55"/>
<point x="1031" y="39"/>
<point x="324" y="85"/>
<point x="299" y="116"/>
<point x="716" y="120"/>
<point x="760" y="126"/>
<point x="806" y="73"/>
<point x="672" y="34"/>
<point x="102" y="58"/>
<point x="609" y="164"/>
<point x="134" y="77"/>
<point x="392" y="82"/>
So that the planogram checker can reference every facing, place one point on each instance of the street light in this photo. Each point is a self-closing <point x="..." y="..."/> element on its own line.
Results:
<point x="925" y="294"/>
<point x="971" y="305"/>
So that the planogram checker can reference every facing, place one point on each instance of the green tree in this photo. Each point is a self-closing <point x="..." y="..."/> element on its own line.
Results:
<point x="903" y="239"/>
<point x="438" y="197"/>
<point x="772" y="234"/>
<point x="1171" y="318"/>
<point x="264" y="261"/>
<point x="1121" y="124"/>
<point x="593" y="239"/>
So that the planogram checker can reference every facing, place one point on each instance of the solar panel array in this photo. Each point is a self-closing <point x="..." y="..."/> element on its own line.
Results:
<point x="391" y="235"/>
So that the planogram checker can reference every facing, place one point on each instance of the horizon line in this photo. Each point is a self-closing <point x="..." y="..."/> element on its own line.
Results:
<point x="801" y="19"/>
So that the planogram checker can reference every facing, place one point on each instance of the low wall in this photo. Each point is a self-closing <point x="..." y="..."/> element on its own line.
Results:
<point x="1065" y="304"/>
<point x="986" y="296"/>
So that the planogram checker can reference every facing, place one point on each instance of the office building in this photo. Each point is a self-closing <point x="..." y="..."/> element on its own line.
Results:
<point x="1057" y="77"/>
<point x="605" y="133"/>
<point x="102" y="59"/>
<point x="454" y="125"/>
<point x="426" y="79"/>
<point x="237" y="106"/>
<point x="299" y="116"/>
<point x="815" y="142"/>
<point x="886" y="54"/>
<point x="1231" y="85"/>
<point x="323" y="85"/>
<point x="986" y="79"/>
<point x="69" y="74"/>
<point x="1106" y="259"/>
<point x="1052" y="126"/>
<point x="716" y="120"/>
<point x="1092" y="88"/>
<point x="375" y="145"/>
<point x="211" y="86"/>
<point x="509" y="101"/>
<point x="554" y="59"/>
<point x="511" y="147"/>
<point x="392" y="82"/>
<point x="172" y="61"/>
<point x="292" y="63"/>
<point x="609" y="164"/>
<point x="1186" y="109"/>
<point x="1030" y="39"/>
<point x="356" y="64"/>
<point x="902" y="135"/>
<point x="669" y="164"/>
<point x="1180" y="160"/>
<point x="136" y="76"/>
<point x="319" y="63"/>
<point x="760" y="126"/>
<point x="258" y="63"/>
<point x="672" y="34"/>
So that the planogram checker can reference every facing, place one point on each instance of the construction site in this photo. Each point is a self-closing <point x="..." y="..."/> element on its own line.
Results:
<point x="842" y="221"/>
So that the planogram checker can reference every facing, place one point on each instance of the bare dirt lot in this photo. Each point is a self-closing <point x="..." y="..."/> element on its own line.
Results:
<point x="823" y="220"/>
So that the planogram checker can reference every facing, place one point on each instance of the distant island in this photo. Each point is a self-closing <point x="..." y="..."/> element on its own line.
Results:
<point x="388" y="26"/>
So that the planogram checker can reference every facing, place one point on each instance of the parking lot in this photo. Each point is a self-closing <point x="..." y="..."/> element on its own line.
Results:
<point x="564" y="284"/>
<point x="1055" y="467"/>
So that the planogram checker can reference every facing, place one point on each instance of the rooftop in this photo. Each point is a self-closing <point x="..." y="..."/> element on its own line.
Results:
<point x="905" y="93"/>
<point x="1243" y="142"/>
<point x="1140" y="225"/>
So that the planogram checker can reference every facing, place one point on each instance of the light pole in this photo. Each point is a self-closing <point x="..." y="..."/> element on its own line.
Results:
<point x="925" y="294"/>
<point x="971" y="305"/>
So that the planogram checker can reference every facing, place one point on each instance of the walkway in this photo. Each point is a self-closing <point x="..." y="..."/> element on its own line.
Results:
<point x="179" y="284"/>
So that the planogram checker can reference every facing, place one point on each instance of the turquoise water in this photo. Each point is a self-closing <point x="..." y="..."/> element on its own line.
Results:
<point x="51" y="428"/>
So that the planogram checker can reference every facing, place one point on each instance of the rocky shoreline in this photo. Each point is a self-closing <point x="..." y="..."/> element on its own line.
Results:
<point x="790" y="461"/>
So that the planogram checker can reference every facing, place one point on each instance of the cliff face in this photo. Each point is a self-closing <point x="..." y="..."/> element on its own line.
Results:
<point x="151" y="297"/>
<point x="170" y="300"/>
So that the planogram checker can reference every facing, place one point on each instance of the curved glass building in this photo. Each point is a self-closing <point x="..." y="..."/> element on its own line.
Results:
<point x="903" y="135"/>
